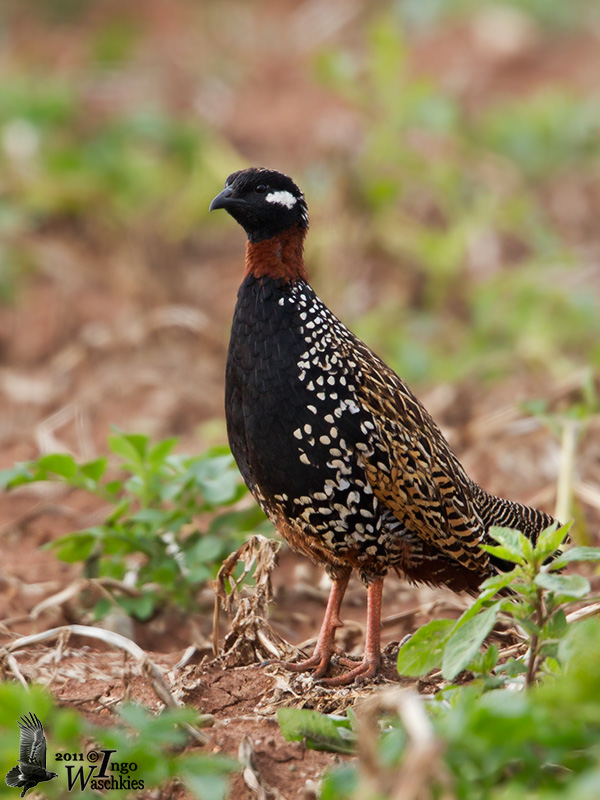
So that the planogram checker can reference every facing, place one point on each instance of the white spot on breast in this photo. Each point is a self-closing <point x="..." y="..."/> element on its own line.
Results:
<point x="286" y="199"/>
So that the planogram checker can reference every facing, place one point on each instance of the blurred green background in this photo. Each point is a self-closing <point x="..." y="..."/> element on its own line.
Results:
<point x="450" y="153"/>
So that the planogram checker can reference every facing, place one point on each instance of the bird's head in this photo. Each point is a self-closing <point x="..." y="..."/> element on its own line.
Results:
<point x="264" y="202"/>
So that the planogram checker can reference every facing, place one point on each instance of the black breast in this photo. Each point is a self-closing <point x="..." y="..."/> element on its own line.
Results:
<point x="298" y="433"/>
<point x="265" y="401"/>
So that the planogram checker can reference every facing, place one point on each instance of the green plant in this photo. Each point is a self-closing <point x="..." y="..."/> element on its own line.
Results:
<point x="140" y="168"/>
<point x="318" y="731"/>
<point x="170" y="524"/>
<point x="155" y="743"/>
<point x="522" y="725"/>
<point x="534" y="596"/>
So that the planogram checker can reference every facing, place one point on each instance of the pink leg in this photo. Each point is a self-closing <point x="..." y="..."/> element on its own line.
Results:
<point x="369" y="666"/>
<point x="325" y="647"/>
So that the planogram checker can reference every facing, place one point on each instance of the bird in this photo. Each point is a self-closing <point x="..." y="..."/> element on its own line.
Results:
<point x="31" y="768"/>
<point x="339" y="453"/>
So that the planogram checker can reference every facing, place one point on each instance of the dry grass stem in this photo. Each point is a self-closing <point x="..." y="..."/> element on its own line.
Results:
<point x="564" y="489"/>
<point x="422" y="764"/>
<point x="147" y="666"/>
<point x="251" y="638"/>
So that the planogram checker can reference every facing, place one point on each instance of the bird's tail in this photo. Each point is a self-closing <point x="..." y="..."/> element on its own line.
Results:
<point x="496" y="511"/>
<point x="13" y="777"/>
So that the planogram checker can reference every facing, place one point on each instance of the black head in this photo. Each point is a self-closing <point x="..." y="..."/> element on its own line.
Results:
<point x="263" y="201"/>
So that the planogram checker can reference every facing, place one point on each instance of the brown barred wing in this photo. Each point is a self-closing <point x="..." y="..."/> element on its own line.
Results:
<point x="413" y="470"/>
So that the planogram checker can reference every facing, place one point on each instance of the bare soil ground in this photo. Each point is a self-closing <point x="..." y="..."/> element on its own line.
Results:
<point x="93" y="342"/>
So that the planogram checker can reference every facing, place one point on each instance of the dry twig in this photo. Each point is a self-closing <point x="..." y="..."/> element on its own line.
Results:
<point x="251" y="638"/>
<point x="252" y="777"/>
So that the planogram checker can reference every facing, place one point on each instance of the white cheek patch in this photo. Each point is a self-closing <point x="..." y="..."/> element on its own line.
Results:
<point x="286" y="199"/>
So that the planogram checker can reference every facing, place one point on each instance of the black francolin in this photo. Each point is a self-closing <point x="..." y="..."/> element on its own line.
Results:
<point x="342" y="457"/>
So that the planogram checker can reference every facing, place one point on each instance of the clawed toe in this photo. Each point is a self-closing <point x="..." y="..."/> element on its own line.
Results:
<point x="317" y="662"/>
<point x="363" y="672"/>
<point x="358" y="673"/>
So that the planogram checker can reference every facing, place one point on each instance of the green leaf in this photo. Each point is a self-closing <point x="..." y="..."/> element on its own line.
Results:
<point x="94" y="470"/>
<point x="511" y="538"/>
<point x="571" y="586"/>
<point x="16" y="476"/>
<point x="575" y="554"/>
<point x="207" y="550"/>
<point x="511" y="668"/>
<point x="139" y="441"/>
<point x="504" y="553"/>
<point x="500" y="703"/>
<point x="220" y="490"/>
<point x="463" y="645"/>
<point x="513" y="545"/>
<point x="118" y="511"/>
<point x="206" y="776"/>
<point x="74" y="546"/>
<point x="130" y="447"/>
<point x="321" y="732"/>
<point x="102" y="608"/>
<point x="339" y="783"/>
<point x="550" y="540"/>
<point x="59" y="463"/>
<point x="158" y="453"/>
<point x="491" y="586"/>
<point x="424" y="650"/>
<point x="140" y="607"/>
<point x="113" y="487"/>
<point x="486" y="661"/>
<point x="556" y="627"/>
<point x="152" y="516"/>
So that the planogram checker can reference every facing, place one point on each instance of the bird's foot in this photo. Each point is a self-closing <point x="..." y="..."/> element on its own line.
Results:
<point x="367" y="669"/>
<point x="319" y="661"/>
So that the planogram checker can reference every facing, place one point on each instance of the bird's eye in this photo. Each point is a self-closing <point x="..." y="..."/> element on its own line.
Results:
<point x="260" y="189"/>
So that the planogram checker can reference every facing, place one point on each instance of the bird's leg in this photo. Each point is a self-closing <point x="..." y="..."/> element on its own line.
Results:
<point x="325" y="647"/>
<point x="369" y="666"/>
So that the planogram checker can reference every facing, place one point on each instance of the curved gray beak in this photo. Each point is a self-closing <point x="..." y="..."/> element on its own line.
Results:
<point x="224" y="200"/>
